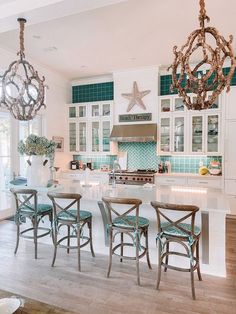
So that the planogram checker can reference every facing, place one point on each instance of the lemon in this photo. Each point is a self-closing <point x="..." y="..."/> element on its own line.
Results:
<point x="203" y="170"/>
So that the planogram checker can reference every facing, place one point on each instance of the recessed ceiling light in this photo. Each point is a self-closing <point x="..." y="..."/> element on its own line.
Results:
<point x="50" y="49"/>
<point x="83" y="66"/>
<point x="133" y="58"/>
<point x="36" y="37"/>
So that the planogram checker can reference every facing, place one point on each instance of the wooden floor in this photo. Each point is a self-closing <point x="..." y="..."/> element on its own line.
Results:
<point x="231" y="246"/>
<point x="91" y="292"/>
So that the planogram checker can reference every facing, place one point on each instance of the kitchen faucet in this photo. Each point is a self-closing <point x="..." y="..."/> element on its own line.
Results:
<point x="115" y="166"/>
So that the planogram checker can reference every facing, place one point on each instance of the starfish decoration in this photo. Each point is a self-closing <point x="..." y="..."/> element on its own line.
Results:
<point x="135" y="98"/>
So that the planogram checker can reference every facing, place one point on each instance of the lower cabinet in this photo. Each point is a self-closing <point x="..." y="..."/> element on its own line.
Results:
<point x="208" y="182"/>
<point x="213" y="182"/>
<point x="170" y="180"/>
<point x="230" y="187"/>
<point x="99" y="177"/>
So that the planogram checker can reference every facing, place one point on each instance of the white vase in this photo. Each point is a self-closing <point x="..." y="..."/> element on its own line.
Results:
<point x="38" y="173"/>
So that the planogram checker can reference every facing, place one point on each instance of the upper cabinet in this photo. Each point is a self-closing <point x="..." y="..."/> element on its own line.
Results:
<point x="90" y="127"/>
<point x="188" y="132"/>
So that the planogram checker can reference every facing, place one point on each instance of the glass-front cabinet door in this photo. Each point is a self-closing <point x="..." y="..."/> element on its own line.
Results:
<point x="179" y="134"/>
<point x="165" y="105"/>
<point x="82" y="111"/>
<point x="95" y="136"/>
<point x="95" y="110"/>
<point x="72" y="136"/>
<point x="106" y="110"/>
<point x="197" y="134"/>
<point x="213" y="133"/>
<point x="106" y="129"/>
<point x="72" y="112"/>
<point x="165" y="135"/>
<point x="178" y="104"/>
<point x="82" y="136"/>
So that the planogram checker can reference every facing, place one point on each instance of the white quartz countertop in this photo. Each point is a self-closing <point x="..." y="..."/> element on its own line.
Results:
<point x="97" y="171"/>
<point x="207" y="199"/>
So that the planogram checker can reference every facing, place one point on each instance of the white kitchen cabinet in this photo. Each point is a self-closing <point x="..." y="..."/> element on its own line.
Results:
<point x="171" y="103"/>
<point x="205" y="134"/>
<point x="72" y="135"/>
<point x="90" y="127"/>
<point x="172" y="134"/>
<point x="230" y="101"/>
<point x="206" y="181"/>
<point x="189" y="180"/>
<point x="94" y="176"/>
<point x="230" y="150"/>
<point x="170" y="180"/>
<point x="188" y="132"/>
<point x="230" y="187"/>
<point x="197" y="133"/>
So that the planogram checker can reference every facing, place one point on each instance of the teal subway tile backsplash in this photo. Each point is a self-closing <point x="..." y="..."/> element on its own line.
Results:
<point x="143" y="156"/>
<point x="97" y="161"/>
<point x="92" y="92"/>
<point x="188" y="164"/>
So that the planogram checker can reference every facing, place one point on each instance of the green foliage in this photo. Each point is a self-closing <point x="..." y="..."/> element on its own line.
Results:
<point x="37" y="145"/>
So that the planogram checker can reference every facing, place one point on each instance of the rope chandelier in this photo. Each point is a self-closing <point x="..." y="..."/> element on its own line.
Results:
<point x="207" y="75"/>
<point x="23" y="91"/>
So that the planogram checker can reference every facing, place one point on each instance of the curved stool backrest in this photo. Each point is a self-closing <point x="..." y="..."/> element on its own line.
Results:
<point x="23" y="197"/>
<point x="114" y="212"/>
<point x="74" y="198"/>
<point x="187" y="212"/>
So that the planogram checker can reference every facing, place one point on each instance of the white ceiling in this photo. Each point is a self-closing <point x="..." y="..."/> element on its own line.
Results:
<point x="82" y="38"/>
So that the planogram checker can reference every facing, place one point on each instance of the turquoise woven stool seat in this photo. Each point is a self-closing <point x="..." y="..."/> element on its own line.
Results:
<point x="27" y="207"/>
<point x="130" y="221"/>
<point x="174" y="231"/>
<point x="71" y="215"/>
<point x="40" y="209"/>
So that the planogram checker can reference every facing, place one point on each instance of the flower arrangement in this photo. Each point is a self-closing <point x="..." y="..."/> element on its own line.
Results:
<point x="37" y="145"/>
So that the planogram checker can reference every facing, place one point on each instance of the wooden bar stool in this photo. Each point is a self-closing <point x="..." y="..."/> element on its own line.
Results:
<point x="74" y="219"/>
<point x="27" y="206"/>
<point x="121" y="222"/>
<point x="181" y="230"/>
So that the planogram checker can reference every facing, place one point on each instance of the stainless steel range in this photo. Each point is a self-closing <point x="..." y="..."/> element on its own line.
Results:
<point x="139" y="176"/>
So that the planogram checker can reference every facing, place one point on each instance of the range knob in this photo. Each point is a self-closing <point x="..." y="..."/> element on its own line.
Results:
<point x="150" y="179"/>
<point x="133" y="179"/>
<point x="141" y="179"/>
<point x="120" y="178"/>
<point x="126" y="178"/>
<point x="138" y="179"/>
<point x="146" y="179"/>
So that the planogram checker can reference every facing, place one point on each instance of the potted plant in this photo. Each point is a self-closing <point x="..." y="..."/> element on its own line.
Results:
<point x="40" y="150"/>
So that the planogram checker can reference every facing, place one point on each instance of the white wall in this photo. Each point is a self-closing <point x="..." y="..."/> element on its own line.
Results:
<point x="57" y="96"/>
<point x="147" y="79"/>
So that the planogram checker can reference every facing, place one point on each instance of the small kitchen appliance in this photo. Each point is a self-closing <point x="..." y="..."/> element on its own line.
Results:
<point x="74" y="165"/>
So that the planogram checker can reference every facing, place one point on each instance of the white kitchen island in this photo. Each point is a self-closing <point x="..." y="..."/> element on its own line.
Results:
<point x="213" y="206"/>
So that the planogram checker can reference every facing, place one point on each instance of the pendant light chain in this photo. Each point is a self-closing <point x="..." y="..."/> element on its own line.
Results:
<point x="21" y="37"/>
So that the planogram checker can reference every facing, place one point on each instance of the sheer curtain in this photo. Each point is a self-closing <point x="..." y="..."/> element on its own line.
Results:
<point x="11" y="163"/>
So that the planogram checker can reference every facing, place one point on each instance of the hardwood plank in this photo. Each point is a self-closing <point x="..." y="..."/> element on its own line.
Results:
<point x="91" y="292"/>
<point x="231" y="246"/>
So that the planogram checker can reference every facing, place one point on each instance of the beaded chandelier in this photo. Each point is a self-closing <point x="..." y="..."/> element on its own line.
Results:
<point x="22" y="90"/>
<point x="208" y="74"/>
